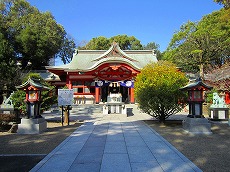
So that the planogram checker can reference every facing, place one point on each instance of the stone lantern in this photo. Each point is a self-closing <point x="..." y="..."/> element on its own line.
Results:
<point x="34" y="122"/>
<point x="195" y="121"/>
<point x="196" y="97"/>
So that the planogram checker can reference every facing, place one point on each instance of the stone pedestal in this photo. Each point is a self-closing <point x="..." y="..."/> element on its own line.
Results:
<point x="112" y="108"/>
<point x="32" y="126"/>
<point x="124" y="110"/>
<point x="105" y="110"/>
<point x="117" y="108"/>
<point x="197" y="125"/>
<point x="6" y="110"/>
<point x="219" y="113"/>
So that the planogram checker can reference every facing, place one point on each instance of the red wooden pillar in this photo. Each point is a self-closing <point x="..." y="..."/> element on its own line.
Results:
<point x="227" y="97"/>
<point x="132" y="95"/>
<point x="97" y="99"/>
<point x="68" y="83"/>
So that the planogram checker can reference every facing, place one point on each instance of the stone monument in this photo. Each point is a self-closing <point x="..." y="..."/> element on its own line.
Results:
<point x="7" y="106"/>
<point x="219" y="110"/>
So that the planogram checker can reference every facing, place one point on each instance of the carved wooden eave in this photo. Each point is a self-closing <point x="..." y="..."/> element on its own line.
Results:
<point x="113" y="53"/>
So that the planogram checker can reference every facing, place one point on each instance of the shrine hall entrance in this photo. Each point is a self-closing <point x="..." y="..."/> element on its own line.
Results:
<point x="116" y="82"/>
<point x="114" y="88"/>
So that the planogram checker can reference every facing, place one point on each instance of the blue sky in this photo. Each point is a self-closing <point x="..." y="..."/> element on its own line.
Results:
<point x="147" y="20"/>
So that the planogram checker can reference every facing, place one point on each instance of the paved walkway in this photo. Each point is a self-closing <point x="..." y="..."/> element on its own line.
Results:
<point x="115" y="143"/>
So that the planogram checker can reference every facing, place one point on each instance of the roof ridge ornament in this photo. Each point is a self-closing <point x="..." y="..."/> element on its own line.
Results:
<point x="114" y="52"/>
<point x="115" y="43"/>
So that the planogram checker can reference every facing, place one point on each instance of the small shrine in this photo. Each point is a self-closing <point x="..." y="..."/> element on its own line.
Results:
<point x="114" y="102"/>
<point x="195" y="121"/>
<point x="34" y="123"/>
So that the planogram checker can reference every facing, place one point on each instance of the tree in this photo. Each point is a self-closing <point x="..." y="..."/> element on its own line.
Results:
<point x="197" y="45"/>
<point x="178" y="50"/>
<point x="155" y="47"/>
<point x="27" y="35"/>
<point x="7" y="54"/>
<point x="7" y="62"/>
<point x="102" y="43"/>
<point x="67" y="50"/>
<point x="226" y="3"/>
<point x="37" y="37"/>
<point x="98" y="43"/>
<point x="157" y="89"/>
<point x="126" y="42"/>
<point x="48" y="97"/>
<point x="219" y="77"/>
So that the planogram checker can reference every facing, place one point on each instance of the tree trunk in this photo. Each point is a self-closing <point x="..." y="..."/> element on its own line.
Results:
<point x="162" y="118"/>
<point x="202" y="71"/>
<point x="66" y="116"/>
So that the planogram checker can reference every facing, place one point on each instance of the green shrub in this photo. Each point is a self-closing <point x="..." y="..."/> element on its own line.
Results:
<point x="157" y="90"/>
<point x="209" y="96"/>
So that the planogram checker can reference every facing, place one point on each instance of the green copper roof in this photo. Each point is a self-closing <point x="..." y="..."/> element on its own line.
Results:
<point x="32" y="82"/>
<point x="196" y="84"/>
<point x="87" y="60"/>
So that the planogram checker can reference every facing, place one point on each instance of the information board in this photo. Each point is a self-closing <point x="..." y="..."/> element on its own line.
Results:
<point x="65" y="97"/>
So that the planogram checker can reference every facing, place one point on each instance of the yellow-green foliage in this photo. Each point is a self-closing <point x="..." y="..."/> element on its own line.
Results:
<point x="157" y="89"/>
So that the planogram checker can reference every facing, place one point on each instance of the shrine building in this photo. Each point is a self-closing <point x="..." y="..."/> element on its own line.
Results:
<point x="95" y="74"/>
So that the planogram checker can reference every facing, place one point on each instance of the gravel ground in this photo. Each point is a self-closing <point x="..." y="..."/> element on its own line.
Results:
<point x="25" y="151"/>
<point x="211" y="153"/>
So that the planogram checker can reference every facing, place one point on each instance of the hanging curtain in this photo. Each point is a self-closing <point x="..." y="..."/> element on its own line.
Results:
<point x="127" y="83"/>
<point x="101" y="83"/>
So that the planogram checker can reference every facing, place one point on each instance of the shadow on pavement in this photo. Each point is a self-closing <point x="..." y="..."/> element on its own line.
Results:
<point x="19" y="163"/>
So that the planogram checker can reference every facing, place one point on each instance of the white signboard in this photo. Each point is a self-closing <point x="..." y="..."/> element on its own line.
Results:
<point x="65" y="97"/>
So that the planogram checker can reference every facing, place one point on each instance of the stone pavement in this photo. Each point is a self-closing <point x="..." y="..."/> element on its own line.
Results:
<point x="115" y="142"/>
